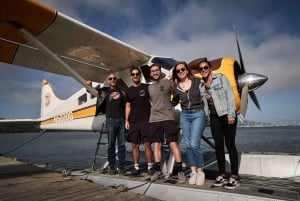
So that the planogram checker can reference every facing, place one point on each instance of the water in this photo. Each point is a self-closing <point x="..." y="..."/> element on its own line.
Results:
<point x="76" y="150"/>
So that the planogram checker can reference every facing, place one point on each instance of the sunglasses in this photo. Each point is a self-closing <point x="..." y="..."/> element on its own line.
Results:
<point x="135" y="74"/>
<point x="180" y="70"/>
<point x="203" y="68"/>
<point x="112" y="78"/>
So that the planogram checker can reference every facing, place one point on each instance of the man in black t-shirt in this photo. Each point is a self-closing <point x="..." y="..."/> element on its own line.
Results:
<point x="137" y="114"/>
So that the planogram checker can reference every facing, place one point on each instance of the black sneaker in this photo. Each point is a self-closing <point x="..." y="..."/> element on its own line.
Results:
<point x="220" y="181"/>
<point x="156" y="175"/>
<point x="121" y="170"/>
<point x="232" y="183"/>
<point x="112" y="171"/>
<point x="135" y="172"/>
<point x="151" y="171"/>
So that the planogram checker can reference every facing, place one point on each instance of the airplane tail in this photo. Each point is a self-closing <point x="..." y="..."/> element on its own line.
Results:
<point x="49" y="100"/>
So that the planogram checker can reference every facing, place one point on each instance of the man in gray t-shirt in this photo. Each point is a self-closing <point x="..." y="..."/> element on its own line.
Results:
<point x="161" y="109"/>
<point x="162" y="122"/>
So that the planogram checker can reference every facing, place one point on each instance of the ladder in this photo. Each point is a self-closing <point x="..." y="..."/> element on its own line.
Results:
<point x="97" y="148"/>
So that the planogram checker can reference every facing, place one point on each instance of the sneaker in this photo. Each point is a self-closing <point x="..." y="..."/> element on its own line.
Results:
<point x="181" y="178"/>
<point x="193" y="178"/>
<point x="121" y="170"/>
<point x="135" y="172"/>
<point x="220" y="181"/>
<point x="200" y="178"/>
<point x="232" y="183"/>
<point x="150" y="172"/>
<point x="112" y="171"/>
<point x="155" y="175"/>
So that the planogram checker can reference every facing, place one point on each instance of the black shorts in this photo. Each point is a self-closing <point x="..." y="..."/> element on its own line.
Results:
<point x="138" y="133"/>
<point x="164" y="129"/>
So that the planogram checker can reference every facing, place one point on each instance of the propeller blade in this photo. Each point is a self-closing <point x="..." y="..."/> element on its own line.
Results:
<point x="244" y="102"/>
<point x="239" y="50"/>
<point x="254" y="99"/>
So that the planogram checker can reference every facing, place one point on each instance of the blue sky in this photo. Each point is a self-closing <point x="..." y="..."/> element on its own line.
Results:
<point x="268" y="31"/>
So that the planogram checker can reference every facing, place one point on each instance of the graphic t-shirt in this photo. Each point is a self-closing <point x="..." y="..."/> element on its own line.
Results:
<point x="139" y="99"/>
<point x="160" y="94"/>
<point x="115" y="104"/>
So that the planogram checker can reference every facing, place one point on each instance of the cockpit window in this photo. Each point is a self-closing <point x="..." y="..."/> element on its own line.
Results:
<point x="82" y="99"/>
<point x="166" y="63"/>
<point x="146" y="72"/>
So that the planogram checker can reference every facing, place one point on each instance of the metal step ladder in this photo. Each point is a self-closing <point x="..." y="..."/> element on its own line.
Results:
<point x="97" y="148"/>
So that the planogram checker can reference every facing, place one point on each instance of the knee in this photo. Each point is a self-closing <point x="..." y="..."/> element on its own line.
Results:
<point x="147" y="146"/>
<point x="157" y="146"/>
<point x="135" y="146"/>
<point x="231" y="147"/>
<point x="195" y="146"/>
<point x="174" y="146"/>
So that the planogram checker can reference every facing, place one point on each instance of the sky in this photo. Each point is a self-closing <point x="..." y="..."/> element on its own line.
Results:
<point x="268" y="32"/>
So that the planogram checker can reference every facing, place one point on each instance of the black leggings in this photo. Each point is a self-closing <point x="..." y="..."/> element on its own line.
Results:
<point x="222" y="130"/>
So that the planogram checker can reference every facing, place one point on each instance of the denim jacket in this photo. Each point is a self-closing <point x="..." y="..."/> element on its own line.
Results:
<point x="222" y="96"/>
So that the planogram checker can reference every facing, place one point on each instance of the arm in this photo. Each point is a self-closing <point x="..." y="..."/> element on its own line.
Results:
<point x="231" y="102"/>
<point x="174" y="99"/>
<point x="127" y="113"/>
<point x="89" y="82"/>
<point x="174" y="95"/>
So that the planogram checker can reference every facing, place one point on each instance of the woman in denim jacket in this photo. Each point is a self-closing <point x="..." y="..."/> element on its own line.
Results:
<point x="218" y="98"/>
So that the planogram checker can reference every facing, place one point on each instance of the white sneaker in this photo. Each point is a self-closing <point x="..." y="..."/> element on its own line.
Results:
<point x="181" y="178"/>
<point x="193" y="178"/>
<point x="200" y="178"/>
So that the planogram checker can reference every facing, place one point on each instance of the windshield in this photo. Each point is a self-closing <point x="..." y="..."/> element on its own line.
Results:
<point x="166" y="63"/>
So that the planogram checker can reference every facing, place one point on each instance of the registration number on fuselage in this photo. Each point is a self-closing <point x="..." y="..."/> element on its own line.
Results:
<point x="60" y="118"/>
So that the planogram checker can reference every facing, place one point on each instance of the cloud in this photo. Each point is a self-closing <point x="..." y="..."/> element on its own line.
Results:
<point x="197" y="31"/>
<point x="185" y="30"/>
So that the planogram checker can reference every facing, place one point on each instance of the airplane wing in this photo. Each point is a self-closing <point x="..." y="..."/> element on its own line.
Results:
<point x="86" y="50"/>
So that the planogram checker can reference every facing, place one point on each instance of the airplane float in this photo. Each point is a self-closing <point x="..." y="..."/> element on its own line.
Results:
<point x="36" y="36"/>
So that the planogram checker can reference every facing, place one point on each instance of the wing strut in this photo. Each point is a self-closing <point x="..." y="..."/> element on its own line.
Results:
<point x="29" y="37"/>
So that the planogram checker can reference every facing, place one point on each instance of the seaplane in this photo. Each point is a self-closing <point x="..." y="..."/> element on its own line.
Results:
<point x="36" y="36"/>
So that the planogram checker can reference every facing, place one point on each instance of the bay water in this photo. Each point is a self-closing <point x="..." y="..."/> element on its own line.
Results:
<point x="76" y="150"/>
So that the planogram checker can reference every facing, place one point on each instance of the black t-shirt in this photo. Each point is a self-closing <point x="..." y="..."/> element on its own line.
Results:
<point x="115" y="104"/>
<point x="139" y="99"/>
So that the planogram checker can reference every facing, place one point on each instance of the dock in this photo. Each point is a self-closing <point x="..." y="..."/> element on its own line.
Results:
<point x="23" y="181"/>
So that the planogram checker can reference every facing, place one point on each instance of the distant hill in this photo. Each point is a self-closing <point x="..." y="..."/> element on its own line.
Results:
<point x="268" y="124"/>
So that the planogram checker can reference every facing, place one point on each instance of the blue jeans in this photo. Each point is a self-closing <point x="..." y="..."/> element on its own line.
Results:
<point x="116" y="130"/>
<point x="193" y="124"/>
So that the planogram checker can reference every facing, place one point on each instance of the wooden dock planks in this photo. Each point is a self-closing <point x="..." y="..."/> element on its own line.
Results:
<point x="21" y="181"/>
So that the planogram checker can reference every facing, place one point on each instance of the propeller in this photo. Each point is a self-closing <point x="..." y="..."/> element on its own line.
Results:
<point x="244" y="102"/>
<point x="248" y="82"/>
